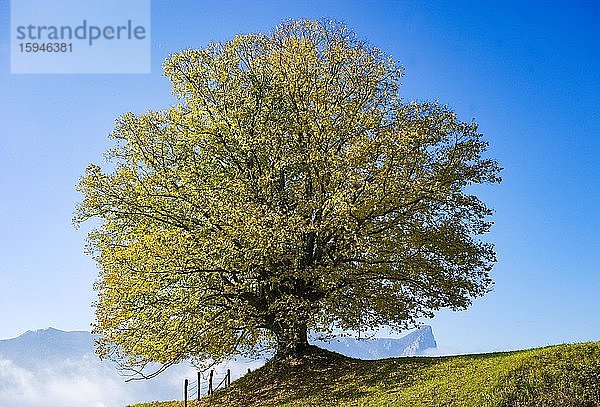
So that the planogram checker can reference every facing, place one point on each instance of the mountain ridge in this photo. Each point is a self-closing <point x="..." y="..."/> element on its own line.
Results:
<point x="49" y="345"/>
<point x="412" y="344"/>
<point x="52" y="344"/>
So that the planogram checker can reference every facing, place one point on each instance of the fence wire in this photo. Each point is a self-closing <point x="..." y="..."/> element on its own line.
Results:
<point x="219" y="381"/>
<point x="201" y="382"/>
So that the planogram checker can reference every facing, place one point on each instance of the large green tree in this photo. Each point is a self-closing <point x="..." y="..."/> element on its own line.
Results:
<point x="290" y="189"/>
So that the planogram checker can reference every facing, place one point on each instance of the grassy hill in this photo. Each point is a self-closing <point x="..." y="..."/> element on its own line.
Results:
<point x="561" y="376"/>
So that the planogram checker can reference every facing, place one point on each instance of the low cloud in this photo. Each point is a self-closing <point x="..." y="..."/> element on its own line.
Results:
<point x="54" y="387"/>
<point x="87" y="382"/>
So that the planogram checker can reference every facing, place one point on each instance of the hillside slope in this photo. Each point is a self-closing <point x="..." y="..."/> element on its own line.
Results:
<point x="563" y="375"/>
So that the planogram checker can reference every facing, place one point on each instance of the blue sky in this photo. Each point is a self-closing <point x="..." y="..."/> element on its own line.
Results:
<point x="529" y="75"/>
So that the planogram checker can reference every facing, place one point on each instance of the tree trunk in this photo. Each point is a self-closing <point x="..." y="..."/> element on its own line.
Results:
<point x="292" y="340"/>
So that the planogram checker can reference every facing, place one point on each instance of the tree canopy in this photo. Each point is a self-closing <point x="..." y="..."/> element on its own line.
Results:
<point x="290" y="189"/>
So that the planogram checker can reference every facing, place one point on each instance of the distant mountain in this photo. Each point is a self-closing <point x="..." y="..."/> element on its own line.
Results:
<point x="415" y="343"/>
<point x="47" y="346"/>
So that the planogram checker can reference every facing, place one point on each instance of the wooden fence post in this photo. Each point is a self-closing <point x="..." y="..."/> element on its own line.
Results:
<point x="185" y="392"/>
<point x="249" y="370"/>
<point x="198" y="386"/>
<point x="210" y="382"/>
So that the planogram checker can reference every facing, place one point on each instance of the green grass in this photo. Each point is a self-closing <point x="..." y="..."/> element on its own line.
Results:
<point x="556" y="376"/>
